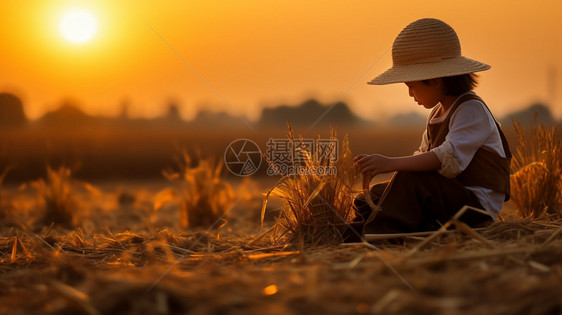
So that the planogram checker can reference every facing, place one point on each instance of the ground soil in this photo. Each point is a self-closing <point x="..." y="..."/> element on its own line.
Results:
<point x="125" y="258"/>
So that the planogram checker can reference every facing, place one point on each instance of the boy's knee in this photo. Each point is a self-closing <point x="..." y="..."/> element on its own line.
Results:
<point x="404" y="179"/>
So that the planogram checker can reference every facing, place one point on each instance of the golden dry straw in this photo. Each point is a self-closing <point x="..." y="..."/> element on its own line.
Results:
<point x="204" y="194"/>
<point x="55" y="196"/>
<point x="536" y="183"/>
<point x="76" y="273"/>
<point x="317" y="207"/>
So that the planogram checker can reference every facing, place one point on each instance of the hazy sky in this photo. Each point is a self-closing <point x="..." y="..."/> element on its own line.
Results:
<point x="255" y="54"/>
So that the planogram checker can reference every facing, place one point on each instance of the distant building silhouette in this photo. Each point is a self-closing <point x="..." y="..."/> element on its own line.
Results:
<point x="11" y="111"/>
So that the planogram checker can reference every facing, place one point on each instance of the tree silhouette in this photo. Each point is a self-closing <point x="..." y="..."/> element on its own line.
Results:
<point x="173" y="112"/>
<point x="11" y="111"/>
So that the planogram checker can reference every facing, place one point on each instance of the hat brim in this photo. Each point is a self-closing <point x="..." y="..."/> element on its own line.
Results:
<point x="429" y="70"/>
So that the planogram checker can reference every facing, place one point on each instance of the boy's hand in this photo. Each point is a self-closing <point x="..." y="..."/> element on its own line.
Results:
<point x="373" y="164"/>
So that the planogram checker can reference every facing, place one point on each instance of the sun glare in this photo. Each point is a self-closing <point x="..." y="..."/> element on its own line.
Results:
<point x="78" y="26"/>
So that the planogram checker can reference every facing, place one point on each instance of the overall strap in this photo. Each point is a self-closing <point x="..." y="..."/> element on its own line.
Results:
<point x="472" y="96"/>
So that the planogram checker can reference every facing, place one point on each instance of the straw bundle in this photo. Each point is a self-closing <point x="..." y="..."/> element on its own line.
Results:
<point x="205" y="195"/>
<point x="316" y="207"/>
<point x="55" y="196"/>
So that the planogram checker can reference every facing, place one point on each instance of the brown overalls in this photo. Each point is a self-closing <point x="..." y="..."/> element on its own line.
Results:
<point x="421" y="201"/>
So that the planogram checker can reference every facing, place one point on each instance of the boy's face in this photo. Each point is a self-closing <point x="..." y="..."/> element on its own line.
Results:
<point x="427" y="94"/>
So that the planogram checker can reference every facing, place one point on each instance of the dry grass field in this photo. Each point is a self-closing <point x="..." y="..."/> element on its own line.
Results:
<point x="142" y="153"/>
<point x="69" y="245"/>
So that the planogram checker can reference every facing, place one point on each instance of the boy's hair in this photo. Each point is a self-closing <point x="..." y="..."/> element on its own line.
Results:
<point x="458" y="84"/>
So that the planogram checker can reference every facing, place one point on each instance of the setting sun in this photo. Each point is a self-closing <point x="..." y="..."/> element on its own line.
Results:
<point x="78" y="26"/>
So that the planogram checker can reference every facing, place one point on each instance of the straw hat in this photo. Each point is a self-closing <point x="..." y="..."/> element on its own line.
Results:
<point x="427" y="49"/>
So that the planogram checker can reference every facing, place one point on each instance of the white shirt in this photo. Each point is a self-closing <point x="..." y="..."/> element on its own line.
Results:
<point x="471" y="126"/>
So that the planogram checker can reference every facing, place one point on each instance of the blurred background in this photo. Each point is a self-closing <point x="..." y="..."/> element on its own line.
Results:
<point x="116" y="89"/>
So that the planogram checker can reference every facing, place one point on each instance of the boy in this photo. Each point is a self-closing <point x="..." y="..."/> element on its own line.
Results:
<point x="463" y="158"/>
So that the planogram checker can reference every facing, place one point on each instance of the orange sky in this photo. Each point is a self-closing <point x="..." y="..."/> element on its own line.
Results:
<point x="262" y="53"/>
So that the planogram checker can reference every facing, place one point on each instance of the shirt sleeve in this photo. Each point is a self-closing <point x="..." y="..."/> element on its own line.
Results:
<point x="469" y="127"/>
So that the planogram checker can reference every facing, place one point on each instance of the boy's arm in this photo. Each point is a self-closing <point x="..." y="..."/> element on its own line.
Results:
<point x="377" y="164"/>
<point x="470" y="128"/>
